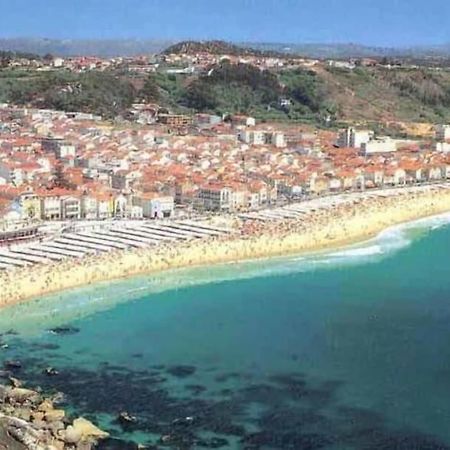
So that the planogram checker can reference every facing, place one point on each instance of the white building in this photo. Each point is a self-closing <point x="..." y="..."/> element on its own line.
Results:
<point x="58" y="62"/>
<point x="262" y="137"/>
<point x="278" y="140"/>
<point x="443" y="147"/>
<point x="155" y="205"/>
<point x="354" y="138"/>
<point x="382" y="145"/>
<point x="215" y="198"/>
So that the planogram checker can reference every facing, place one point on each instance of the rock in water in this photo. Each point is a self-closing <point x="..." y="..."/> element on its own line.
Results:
<point x="55" y="415"/>
<point x="88" y="430"/>
<point x="13" y="365"/>
<point x="22" y="395"/>
<point x="51" y="371"/>
<point x="72" y="436"/>
<point x="64" y="330"/>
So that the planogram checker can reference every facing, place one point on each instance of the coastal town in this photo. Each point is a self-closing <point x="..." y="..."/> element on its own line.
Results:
<point x="70" y="166"/>
<point x="77" y="190"/>
<point x="76" y="185"/>
<point x="57" y="166"/>
<point x="224" y="225"/>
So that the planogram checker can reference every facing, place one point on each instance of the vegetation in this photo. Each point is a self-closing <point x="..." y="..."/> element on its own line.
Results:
<point x="150" y="92"/>
<point x="243" y="88"/>
<point x="364" y="94"/>
<point x="93" y="92"/>
<point x="237" y="88"/>
<point x="381" y="94"/>
<point x="218" y="48"/>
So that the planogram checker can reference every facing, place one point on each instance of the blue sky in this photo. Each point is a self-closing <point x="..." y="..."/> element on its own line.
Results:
<point x="373" y="22"/>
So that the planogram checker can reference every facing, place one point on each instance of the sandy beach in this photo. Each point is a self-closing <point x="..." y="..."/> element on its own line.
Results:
<point x="321" y="229"/>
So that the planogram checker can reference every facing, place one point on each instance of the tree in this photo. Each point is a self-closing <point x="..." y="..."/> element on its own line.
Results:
<point x="200" y="96"/>
<point x="150" y="90"/>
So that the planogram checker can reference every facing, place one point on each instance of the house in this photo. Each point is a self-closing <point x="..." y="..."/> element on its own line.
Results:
<point x="394" y="176"/>
<point x="121" y="204"/>
<point x="89" y="207"/>
<point x="261" y="137"/>
<point x="374" y="175"/>
<point x="215" y="197"/>
<point x="155" y="205"/>
<point x="385" y="145"/>
<point x="59" y="147"/>
<point x="30" y="205"/>
<point x="97" y="205"/>
<point x="319" y="185"/>
<point x="413" y="172"/>
<point x="50" y="206"/>
<point x="70" y="208"/>
<point x="442" y="132"/>
<point x="347" y="178"/>
<point x="12" y="173"/>
<point x="124" y="179"/>
<point x="175" y="120"/>
<point x="245" y="121"/>
<point x="334" y="184"/>
<point x="353" y="138"/>
<point x="433" y="173"/>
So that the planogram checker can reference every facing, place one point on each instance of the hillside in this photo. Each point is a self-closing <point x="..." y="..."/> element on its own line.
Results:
<point x="381" y="94"/>
<point x="216" y="48"/>
<point x="92" y="92"/>
<point x="364" y="94"/>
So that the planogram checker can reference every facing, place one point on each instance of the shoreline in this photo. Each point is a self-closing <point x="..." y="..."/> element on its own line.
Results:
<point x="335" y="228"/>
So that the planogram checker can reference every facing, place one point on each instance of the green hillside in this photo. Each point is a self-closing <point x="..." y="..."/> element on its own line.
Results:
<point x="323" y="95"/>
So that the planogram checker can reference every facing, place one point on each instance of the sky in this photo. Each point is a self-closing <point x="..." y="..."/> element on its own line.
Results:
<point x="370" y="22"/>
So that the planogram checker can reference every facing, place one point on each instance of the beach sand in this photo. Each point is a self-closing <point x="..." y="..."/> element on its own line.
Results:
<point x="322" y="229"/>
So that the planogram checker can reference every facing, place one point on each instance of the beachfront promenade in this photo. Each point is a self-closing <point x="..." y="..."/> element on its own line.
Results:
<point x="129" y="235"/>
<point x="79" y="257"/>
<point x="115" y="237"/>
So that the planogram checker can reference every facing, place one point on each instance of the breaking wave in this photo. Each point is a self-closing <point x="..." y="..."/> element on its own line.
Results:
<point x="67" y="306"/>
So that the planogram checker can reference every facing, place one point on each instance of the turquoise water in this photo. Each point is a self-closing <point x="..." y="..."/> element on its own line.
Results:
<point x="348" y="349"/>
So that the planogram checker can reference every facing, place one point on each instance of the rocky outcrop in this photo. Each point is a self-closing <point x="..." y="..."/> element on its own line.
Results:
<point x="30" y="422"/>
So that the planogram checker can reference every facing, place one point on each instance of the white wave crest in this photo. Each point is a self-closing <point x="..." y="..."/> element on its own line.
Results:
<point x="64" y="307"/>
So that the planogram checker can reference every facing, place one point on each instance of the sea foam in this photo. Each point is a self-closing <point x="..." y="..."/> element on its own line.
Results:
<point x="67" y="306"/>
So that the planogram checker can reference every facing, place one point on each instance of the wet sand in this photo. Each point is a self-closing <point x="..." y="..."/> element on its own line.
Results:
<point x="322" y="229"/>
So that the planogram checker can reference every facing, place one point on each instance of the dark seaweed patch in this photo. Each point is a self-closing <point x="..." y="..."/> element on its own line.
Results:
<point x="44" y="346"/>
<point x="284" y="411"/>
<point x="181" y="371"/>
<point x="195" y="389"/>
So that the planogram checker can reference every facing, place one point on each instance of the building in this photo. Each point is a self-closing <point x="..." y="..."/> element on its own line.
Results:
<point x="442" y="132"/>
<point x="261" y="137"/>
<point x="50" y="207"/>
<point x="155" y="205"/>
<point x="175" y="120"/>
<point x="443" y="147"/>
<point x="244" y="121"/>
<point x="215" y="197"/>
<point x="384" y="145"/>
<point x="70" y="208"/>
<point x="11" y="173"/>
<point x="59" y="147"/>
<point x="354" y="138"/>
<point x="30" y="205"/>
<point x="97" y="205"/>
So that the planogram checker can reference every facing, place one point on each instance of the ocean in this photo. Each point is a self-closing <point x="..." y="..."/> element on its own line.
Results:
<point x="345" y="349"/>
